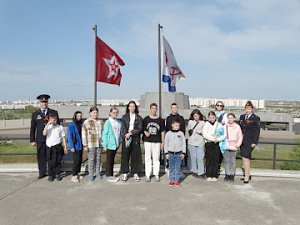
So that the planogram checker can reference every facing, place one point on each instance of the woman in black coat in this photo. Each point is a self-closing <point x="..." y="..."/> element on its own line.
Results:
<point x="250" y="124"/>
<point x="132" y="127"/>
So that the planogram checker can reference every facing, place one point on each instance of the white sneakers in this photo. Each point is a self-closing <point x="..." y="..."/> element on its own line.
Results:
<point x="74" y="179"/>
<point x="125" y="177"/>
<point x="112" y="179"/>
<point x="213" y="179"/>
<point x="136" y="177"/>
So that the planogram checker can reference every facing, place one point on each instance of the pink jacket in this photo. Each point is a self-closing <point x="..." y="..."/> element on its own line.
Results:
<point x="234" y="136"/>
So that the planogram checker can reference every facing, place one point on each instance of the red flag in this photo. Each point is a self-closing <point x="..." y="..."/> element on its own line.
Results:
<point x="108" y="64"/>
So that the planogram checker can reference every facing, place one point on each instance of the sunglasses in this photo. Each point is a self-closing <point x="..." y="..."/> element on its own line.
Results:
<point x="220" y="105"/>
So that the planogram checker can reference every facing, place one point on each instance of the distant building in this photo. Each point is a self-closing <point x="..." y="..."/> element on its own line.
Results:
<point x="237" y="103"/>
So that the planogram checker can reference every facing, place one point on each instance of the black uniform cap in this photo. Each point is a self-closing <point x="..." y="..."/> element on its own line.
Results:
<point x="249" y="104"/>
<point x="43" y="98"/>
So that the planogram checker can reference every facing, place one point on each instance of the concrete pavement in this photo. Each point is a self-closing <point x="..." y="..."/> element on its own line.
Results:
<point x="265" y="200"/>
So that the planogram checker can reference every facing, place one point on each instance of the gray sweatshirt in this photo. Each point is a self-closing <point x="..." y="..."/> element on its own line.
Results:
<point x="175" y="142"/>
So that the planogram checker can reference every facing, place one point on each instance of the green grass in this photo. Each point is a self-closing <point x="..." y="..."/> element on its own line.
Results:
<point x="17" y="149"/>
<point x="262" y="151"/>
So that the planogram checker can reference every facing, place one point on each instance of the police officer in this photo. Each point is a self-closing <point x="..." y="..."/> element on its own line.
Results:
<point x="38" y="121"/>
<point x="250" y="124"/>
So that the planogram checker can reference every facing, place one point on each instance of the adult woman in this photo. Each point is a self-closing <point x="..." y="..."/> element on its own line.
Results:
<point x="111" y="140"/>
<point x="221" y="118"/>
<point x="220" y="113"/>
<point x="132" y="128"/>
<point x="250" y="124"/>
<point x="212" y="152"/>
<point x="196" y="144"/>
<point x="75" y="145"/>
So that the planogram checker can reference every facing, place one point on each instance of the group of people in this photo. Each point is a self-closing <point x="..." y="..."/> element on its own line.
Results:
<point x="214" y="138"/>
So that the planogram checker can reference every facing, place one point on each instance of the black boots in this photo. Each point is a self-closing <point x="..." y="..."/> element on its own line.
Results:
<point x="229" y="178"/>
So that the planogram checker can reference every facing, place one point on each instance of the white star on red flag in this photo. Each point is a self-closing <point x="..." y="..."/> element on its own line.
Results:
<point x="113" y="66"/>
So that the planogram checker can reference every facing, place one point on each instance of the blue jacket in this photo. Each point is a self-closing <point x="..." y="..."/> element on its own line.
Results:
<point x="108" y="136"/>
<point x="74" y="139"/>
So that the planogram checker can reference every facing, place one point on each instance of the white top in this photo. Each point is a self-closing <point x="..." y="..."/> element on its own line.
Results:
<point x="116" y="126"/>
<point x="196" y="139"/>
<point x="131" y="123"/>
<point x="209" y="131"/>
<point x="55" y="135"/>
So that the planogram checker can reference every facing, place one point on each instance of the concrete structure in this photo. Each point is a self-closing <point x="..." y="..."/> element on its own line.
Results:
<point x="168" y="98"/>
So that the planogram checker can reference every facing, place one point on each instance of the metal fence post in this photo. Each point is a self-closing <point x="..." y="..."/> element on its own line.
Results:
<point x="274" y="156"/>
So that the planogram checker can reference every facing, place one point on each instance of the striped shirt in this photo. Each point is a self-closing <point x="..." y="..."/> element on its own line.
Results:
<point x="91" y="133"/>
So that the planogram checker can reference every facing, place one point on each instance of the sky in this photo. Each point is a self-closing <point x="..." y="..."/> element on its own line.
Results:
<point x="226" y="48"/>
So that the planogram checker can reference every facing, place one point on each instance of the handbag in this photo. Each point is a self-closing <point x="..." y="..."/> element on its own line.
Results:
<point x="191" y="130"/>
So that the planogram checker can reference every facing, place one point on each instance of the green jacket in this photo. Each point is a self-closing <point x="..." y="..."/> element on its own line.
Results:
<point x="108" y="136"/>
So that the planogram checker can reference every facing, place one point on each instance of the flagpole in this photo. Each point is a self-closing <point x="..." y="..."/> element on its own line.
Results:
<point x="95" y="81"/>
<point x="159" y="72"/>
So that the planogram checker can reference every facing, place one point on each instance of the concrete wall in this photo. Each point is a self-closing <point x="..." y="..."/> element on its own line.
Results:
<point x="15" y="124"/>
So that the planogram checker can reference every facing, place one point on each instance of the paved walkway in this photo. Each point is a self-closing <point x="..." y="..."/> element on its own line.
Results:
<point x="265" y="200"/>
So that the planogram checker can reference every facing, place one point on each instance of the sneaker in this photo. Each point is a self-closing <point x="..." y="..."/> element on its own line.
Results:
<point x="231" y="178"/>
<point x="98" y="177"/>
<point x="214" y="179"/>
<point x="112" y="179"/>
<point x="74" y="179"/>
<point x="177" y="184"/>
<point x="171" y="184"/>
<point x="125" y="177"/>
<point x="58" y="178"/>
<point x="182" y="176"/>
<point x="90" y="179"/>
<point x="136" y="177"/>
<point x="147" y="179"/>
<point x="208" y="179"/>
<point x="226" y="178"/>
<point x="157" y="179"/>
<point x="50" y="178"/>
<point x="202" y="176"/>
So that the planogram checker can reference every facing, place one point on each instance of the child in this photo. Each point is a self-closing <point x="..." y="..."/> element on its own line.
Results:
<point x="111" y="140"/>
<point x="175" y="149"/>
<point x="212" y="153"/>
<point x="54" y="149"/>
<point x="154" y="132"/>
<point x="91" y="135"/>
<point x="196" y="144"/>
<point x="233" y="142"/>
<point x="75" y="145"/>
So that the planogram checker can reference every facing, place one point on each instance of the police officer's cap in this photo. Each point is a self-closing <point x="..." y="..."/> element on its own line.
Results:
<point x="43" y="97"/>
<point x="249" y="104"/>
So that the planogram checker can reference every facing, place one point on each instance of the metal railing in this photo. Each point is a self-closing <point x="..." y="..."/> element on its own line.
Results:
<point x="274" y="159"/>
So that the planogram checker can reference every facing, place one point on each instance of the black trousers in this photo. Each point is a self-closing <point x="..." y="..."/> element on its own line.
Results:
<point x="212" y="156"/>
<point x="41" y="157"/>
<point x="77" y="159"/>
<point x="133" y="152"/>
<point x="54" y="156"/>
<point x="110" y="161"/>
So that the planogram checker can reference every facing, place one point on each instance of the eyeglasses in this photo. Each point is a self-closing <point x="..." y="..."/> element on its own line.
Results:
<point x="220" y="105"/>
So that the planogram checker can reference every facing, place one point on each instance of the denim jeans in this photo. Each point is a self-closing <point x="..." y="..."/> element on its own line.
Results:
<point x="196" y="159"/>
<point x="174" y="166"/>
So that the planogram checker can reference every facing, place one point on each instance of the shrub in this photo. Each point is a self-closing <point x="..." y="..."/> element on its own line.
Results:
<point x="293" y="155"/>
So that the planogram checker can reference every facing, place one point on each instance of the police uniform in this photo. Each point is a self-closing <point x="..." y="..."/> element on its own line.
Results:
<point x="38" y="121"/>
<point x="251" y="130"/>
